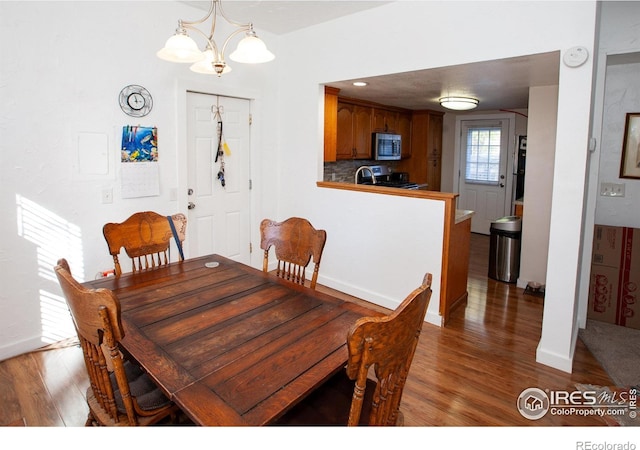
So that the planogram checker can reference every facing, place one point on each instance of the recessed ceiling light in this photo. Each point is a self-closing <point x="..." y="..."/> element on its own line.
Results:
<point x="359" y="83"/>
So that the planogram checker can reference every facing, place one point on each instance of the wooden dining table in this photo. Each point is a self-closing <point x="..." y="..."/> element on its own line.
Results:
<point x="229" y="344"/>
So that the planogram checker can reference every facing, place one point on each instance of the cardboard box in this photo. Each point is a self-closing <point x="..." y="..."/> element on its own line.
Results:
<point x="614" y="291"/>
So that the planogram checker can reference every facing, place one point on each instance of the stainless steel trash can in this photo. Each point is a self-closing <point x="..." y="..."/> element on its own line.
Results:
<point x="504" y="249"/>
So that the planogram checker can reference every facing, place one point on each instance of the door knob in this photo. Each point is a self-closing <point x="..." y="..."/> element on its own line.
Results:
<point x="191" y="205"/>
<point x="189" y="191"/>
<point x="501" y="185"/>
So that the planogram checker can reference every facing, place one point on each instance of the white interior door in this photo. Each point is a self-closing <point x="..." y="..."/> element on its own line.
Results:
<point x="483" y="182"/>
<point x="218" y="216"/>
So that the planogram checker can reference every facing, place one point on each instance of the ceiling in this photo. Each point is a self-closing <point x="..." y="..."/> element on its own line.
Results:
<point x="498" y="84"/>
<point x="281" y="17"/>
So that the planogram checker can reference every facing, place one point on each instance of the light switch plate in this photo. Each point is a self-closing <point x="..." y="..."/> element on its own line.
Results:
<point x="107" y="195"/>
<point x="612" y="189"/>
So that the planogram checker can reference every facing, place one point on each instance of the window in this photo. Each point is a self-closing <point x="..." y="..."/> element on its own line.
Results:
<point x="483" y="155"/>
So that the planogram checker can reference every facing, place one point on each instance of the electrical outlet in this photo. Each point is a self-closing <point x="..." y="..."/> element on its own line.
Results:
<point x="612" y="189"/>
<point x="107" y="195"/>
<point x="618" y="190"/>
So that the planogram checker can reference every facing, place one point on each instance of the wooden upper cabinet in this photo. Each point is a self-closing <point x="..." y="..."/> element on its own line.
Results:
<point x="349" y="124"/>
<point x="424" y="163"/>
<point x="434" y="152"/>
<point x="330" y="122"/>
<point x="354" y="131"/>
<point x="404" y="130"/>
<point x="434" y="136"/>
<point x="385" y="121"/>
<point x="362" y="132"/>
<point x="344" y="140"/>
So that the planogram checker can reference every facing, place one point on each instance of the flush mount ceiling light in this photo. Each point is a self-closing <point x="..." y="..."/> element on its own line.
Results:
<point x="459" y="103"/>
<point x="360" y="83"/>
<point x="182" y="49"/>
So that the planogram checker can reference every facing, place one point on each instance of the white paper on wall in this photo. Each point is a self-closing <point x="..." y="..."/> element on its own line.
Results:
<point x="140" y="179"/>
<point x="92" y="157"/>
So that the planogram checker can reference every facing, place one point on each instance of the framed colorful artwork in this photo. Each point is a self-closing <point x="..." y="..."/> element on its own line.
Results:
<point x="630" y="163"/>
<point x="139" y="144"/>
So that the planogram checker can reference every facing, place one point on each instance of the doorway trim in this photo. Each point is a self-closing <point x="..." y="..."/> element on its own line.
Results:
<point x="182" y="87"/>
<point x="511" y="119"/>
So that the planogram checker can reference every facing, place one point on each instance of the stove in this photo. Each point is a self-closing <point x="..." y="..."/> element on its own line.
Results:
<point x="399" y="184"/>
<point x="383" y="176"/>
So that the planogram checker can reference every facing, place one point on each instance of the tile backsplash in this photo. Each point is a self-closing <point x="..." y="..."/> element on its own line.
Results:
<point x="345" y="171"/>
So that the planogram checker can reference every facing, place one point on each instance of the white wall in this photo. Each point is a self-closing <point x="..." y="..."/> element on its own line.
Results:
<point x="63" y="80"/>
<point x="541" y="148"/>
<point x="74" y="96"/>
<point x="347" y="48"/>
<point x="616" y="93"/>
<point x="622" y="96"/>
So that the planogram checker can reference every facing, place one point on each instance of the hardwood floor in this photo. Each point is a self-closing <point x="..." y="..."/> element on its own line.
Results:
<point x="469" y="373"/>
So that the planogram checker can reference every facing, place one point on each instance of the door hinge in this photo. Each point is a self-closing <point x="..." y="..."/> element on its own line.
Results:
<point x="250" y="247"/>
<point x="250" y="184"/>
<point x="250" y="119"/>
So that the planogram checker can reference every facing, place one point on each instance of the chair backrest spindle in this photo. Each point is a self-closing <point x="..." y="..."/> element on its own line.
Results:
<point x="96" y="317"/>
<point x="387" y="344"/>
<point x="145" y="237"/>
<point x="369" y="391"/>
<point x="296" y="244"/>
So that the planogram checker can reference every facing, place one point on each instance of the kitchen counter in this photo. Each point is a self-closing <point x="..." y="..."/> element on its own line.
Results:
<point x="420" y="193"/>
<point x="455" y="246"/>
<point x="463" y="214"/>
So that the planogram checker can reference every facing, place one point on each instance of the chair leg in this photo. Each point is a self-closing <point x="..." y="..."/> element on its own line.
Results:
<point x="91" y="421"/>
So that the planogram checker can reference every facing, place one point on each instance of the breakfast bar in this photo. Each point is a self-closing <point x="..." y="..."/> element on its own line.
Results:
<point x="455" y="245"/>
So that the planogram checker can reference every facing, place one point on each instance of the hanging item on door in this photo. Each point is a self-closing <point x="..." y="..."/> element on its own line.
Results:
<point x="222" y="145"/>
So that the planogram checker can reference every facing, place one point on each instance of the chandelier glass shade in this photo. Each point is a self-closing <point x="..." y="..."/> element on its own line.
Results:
<point x="181" y="48"/>
<point x="251" y="50"/>
<point x="459" y="103"/>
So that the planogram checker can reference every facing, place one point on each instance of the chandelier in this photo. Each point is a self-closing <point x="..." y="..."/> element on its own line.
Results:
<point x="183" y="49"/>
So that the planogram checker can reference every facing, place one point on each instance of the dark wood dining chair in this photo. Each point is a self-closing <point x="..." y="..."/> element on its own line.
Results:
<point x="296" y="242"/>
<point x="120" y="392"/>
<point x="381" y="348"/>
<point x="145" y="237"/>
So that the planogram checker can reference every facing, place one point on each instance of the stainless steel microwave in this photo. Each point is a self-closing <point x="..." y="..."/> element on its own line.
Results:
<point x="387" y="147"/>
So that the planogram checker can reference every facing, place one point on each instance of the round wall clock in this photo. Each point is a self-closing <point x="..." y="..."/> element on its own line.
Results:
<point x="135" y="101"/>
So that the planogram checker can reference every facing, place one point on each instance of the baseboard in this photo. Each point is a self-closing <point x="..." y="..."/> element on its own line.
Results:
<point x="555" y="360"/>
<point x="18" y="348"/>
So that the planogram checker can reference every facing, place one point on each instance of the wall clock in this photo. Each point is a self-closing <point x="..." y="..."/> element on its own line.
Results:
<point x="135" y="101"/>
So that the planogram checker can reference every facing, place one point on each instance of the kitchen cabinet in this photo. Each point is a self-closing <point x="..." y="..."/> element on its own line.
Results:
<point x="434" y="152"/>
<point x="424" y="163"/>
<point x="455" y="260"/>
<point x="396" y="122"/>
<point x="519" y="209"/>
<point x="330" y="122"/>
<point x="353" y="137"/>
<point x="349" y="124"/>
<point x="404" y="130"/>
<point x="385" y="121"/>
